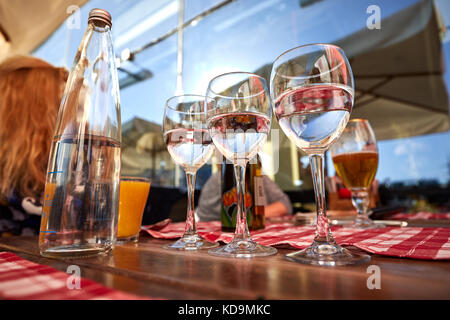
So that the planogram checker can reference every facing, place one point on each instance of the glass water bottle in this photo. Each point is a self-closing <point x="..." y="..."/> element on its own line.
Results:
<point x="81" y="199"/>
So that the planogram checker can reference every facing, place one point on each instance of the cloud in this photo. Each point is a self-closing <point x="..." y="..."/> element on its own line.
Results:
<point x="408" y="147"/>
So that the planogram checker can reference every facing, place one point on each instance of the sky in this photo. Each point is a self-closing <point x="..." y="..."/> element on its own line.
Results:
<point x="417" y="158"/>
<point x="244" y="36"/>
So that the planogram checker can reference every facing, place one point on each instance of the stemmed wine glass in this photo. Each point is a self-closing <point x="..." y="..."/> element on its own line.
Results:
<point x="355" y="158"/>
<point x="312" y="89"/>
<point x="239" y="117"/>
<point x="190" y="146"/>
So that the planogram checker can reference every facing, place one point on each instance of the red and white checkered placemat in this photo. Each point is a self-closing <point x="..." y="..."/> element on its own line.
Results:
<point x="21" y="279"/>
<point x="417" y="243"/>
<point x="421" y="216"/>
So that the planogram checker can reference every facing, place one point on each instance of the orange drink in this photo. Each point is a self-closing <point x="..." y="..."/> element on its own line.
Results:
<point x="133" y="197"/>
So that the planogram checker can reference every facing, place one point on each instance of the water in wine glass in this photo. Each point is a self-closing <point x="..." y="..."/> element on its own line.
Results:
<point x="239" y="135"/>
<point x="314" y="116"/>
<point x="190" y="148"/>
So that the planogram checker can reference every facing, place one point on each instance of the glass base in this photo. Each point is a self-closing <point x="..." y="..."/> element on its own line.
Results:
<point x="243" y="249"/>
<point x="191" y="242"/>
<point x="76" y="251"/>
<point x="325" y="254"/>
<point x="123" y="240"/>
<point x="365" y="223"/>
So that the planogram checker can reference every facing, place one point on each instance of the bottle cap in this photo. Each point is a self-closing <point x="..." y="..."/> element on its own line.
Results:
<point x="100" y="15"/>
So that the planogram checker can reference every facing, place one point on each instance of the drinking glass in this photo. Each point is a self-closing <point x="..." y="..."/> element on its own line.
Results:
<point x="190" y="146"/>
<point x="355" y="158"/>
<point x="239" y="114"/>
<point x="132" y="199"/>
<point x="312" y="89"/>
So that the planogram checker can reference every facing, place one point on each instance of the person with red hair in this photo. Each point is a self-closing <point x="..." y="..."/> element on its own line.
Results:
<point x="30" y="93"/>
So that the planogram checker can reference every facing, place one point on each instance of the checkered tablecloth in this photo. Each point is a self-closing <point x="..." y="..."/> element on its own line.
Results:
<point x="417" y="243"/>
<point x="21" y="279"/>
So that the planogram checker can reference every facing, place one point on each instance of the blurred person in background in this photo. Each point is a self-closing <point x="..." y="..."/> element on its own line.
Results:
<point x="30" y="94"/>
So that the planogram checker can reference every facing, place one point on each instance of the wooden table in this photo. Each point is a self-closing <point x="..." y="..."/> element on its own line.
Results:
<point x="147" y="269"/>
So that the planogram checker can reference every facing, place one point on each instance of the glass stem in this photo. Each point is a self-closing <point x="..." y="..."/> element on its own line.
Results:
<point x="323" y="233"/>
<point x="241" y="232"/>
<point x="191" y="228"/>
<point x="361" y="200"/>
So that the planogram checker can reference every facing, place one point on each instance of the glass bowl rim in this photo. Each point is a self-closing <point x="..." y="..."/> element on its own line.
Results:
<point x="138" y="179"/>
<point x="236" y="98"/>
<point x="168" y="106"/>
<point x="308" y="45"/>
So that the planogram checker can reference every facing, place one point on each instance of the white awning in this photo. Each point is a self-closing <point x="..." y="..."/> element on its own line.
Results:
<point x="25" y="24"/>
<point x="398" y="74"/>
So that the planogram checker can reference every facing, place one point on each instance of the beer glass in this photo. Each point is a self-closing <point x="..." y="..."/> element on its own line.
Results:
<point x="355" y="158"/>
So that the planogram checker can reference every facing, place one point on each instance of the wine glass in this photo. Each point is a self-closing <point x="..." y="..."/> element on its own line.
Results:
<point x="190" y="146"/>
<point x="239" y="115"/>
<point x="355" y="158"/>
<point x="312" y="89"/>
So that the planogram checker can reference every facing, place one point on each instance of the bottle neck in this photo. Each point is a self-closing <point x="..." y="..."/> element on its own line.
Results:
<point x="99" y="26"/>
<point x="91" y="98"/>
<point x="96" y="39"/>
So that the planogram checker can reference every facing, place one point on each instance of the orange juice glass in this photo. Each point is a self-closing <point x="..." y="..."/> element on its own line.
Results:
<point x="133" y="197"/>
